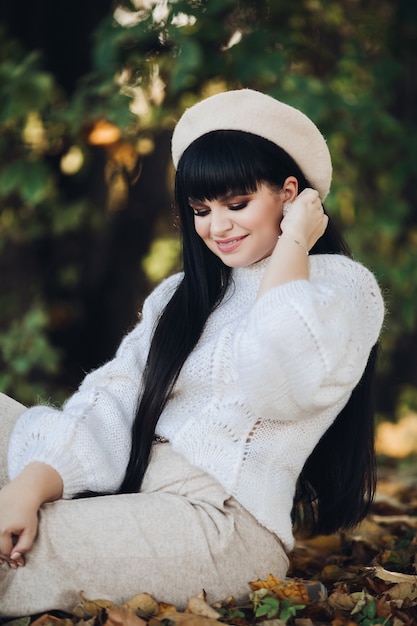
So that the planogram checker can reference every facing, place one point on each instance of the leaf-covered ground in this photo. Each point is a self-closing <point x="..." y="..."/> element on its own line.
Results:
<point x="366" y="577"/>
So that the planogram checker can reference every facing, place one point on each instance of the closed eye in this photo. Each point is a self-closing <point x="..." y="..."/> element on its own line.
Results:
<point x="238" y="206"/>
<point x="233" y="203"/>
<point x="200" y="212"/>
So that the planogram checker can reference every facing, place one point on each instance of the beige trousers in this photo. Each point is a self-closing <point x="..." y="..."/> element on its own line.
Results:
<point x="182" y="533"/>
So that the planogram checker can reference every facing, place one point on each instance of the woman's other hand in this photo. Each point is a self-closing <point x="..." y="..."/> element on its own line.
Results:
<point x="20" y="501"/>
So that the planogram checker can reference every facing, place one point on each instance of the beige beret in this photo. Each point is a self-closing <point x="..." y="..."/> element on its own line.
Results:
<point x="254" y="112"/>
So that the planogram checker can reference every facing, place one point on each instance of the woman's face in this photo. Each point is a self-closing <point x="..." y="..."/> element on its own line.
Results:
<point x="240" y="229"/>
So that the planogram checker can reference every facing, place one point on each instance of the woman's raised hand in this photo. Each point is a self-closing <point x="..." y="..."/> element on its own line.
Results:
<point x="305" y="220"/>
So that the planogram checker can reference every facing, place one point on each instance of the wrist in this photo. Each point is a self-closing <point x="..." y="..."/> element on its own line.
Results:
<point x="299" y="241"/>
<point x="39" y="483"/>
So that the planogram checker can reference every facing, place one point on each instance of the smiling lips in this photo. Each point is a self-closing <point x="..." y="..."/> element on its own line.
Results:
<point x="229" y="245"/>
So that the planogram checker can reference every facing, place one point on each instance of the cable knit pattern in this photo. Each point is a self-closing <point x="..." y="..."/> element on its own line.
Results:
<point x="265" y="381"/>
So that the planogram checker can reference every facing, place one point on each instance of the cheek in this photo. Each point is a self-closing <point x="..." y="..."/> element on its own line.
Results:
<point x="201" y="228"/>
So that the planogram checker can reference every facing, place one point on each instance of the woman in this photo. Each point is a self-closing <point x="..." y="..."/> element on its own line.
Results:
<point x="239" y="403"/>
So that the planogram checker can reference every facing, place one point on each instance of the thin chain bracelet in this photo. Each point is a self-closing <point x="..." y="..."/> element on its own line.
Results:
<point x="297" y="242"/>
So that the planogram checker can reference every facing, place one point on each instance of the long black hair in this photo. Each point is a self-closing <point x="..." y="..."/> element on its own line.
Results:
<point x="337" y="482"/>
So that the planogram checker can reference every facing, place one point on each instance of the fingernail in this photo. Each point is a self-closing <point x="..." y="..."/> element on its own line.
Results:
<point x="15" y="556"/>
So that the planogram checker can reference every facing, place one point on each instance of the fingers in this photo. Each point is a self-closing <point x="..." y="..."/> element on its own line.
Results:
<point x="23" y="543"/>
<point x="309" y="195"/>
<point x="306" y="209"/>
<point x="14" y="563"/>
<point x="6" y="545"/>
<point x="18" y="531"/>
<point x="13" y="549"/>
<point x="305" y="218"/>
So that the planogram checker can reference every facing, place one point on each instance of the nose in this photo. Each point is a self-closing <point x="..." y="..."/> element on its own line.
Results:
<point x="220" y="222"/>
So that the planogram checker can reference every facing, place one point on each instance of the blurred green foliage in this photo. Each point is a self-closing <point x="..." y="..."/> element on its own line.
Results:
<point x="349" y="65"/>
<point x="23" y="347"/>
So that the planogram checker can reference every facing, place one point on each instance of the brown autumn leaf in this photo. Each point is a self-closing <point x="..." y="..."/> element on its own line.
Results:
<point x="188" y="619"/>
<point x="197" y="605"/>
<point x="142" y="603"/>
<point x="323" y="544"/>
<point x="341" y="599"/>
<point x="403" y="590"/>
<point x="164" y="607"/>
<point x="394" y="577"/>
<point x="123" y="617"/>
<point x="45" y="619"/>
<point x="91" y="608"/>
<point x="397" y="439"/>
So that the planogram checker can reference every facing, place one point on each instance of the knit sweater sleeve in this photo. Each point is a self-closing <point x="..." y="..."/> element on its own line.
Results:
<point x="311" y="338"/>
<point x="88" y="440"/>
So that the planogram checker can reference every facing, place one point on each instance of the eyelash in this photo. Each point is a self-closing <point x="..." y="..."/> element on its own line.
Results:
<point x="238" y="207"/>
<point x="231" y="207"/>
<point x="201" y="213"/>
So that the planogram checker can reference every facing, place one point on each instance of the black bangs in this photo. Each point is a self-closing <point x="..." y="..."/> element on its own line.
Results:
<point x="226" y="162"/>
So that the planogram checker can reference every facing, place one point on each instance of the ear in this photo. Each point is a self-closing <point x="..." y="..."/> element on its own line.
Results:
<point x="290" y="189"/>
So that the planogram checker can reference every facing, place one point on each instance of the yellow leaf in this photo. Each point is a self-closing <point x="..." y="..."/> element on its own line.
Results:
<point x="270" y="583"/>
<point x="325" y="544"/>
<point x="299" y="591"/>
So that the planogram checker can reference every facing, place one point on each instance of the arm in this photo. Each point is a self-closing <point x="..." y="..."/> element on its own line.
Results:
<point x="58" y="453"/>
<point x="304" y="344"/>
<point x="88" y="441"/>
<point x="20" y="501"/>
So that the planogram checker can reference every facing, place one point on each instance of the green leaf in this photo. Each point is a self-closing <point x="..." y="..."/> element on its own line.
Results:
<point x="269" y="607"/>
<point x="31" y="180"/>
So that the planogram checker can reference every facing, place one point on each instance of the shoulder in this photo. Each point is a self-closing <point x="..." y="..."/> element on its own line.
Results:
<point x="338" y="267"/>
<point x="354" y="284"/>
<point x="168" y="286"/>
<point x="162" y="294"/>
<point x="152" y="309"/>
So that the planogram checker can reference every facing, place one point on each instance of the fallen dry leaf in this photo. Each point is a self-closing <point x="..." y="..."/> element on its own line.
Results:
<point x="341" y="599"/>
<point x="198" y="606"/>
<point x="43" y="620"/>
<point x="91" y="608"/>
<point x="298" y="591"/>
<point x="393" y="577"/>
<point x="188" y="619"/>
<point x="401" y="591"/>
<point x="397" y="439"/>
<point x="143" y="603"/>
<point x="123" y="617"/>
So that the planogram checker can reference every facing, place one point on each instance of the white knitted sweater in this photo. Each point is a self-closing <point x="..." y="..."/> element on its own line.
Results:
<point x="264" y="382"/>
